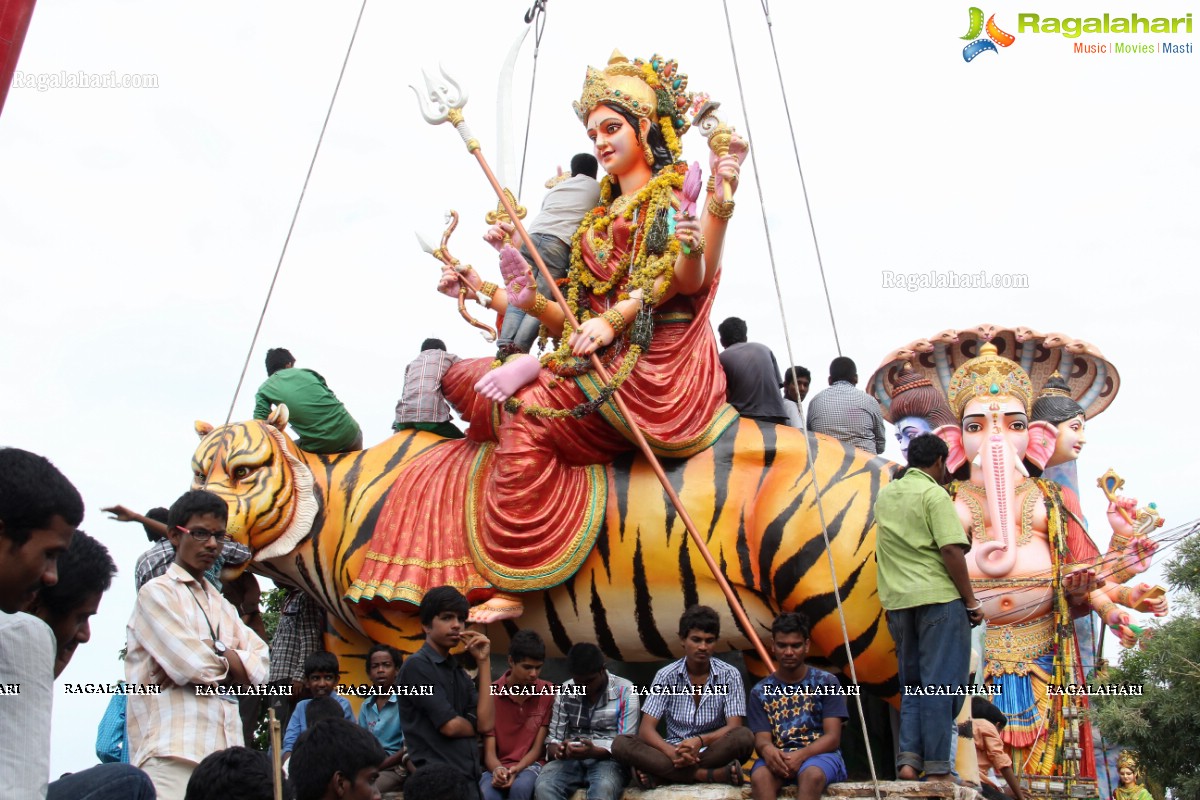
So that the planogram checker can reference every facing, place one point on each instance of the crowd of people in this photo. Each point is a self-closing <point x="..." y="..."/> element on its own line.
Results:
<point x="426" y="725"/>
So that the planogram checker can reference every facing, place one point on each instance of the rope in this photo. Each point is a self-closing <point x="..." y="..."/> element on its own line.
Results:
<point x="803" y="184"/>
<point x="295" y="215"/>
<point x="810" y="438"/>
<point x="537" y="15"/>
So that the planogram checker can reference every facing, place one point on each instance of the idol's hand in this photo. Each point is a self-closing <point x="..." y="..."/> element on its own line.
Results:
<point x="498" y="234"/>
<point x="448" y="282"/>
<point x="1136" y="555"/>
<point x="591" y="336"/>
<point x="1120" y="526"/>
<point x="728" y="167"/>
<point x="518" y="279"/>
<point x="687" y="231"/>
<point x="1080" y="583"/>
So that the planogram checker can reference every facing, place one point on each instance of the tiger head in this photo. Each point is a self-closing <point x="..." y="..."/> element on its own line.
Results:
<point x="257" y="470"/>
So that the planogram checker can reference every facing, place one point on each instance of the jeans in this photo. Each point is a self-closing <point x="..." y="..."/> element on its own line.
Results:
<point x="521" y="789"/>
<point x="603" y="778"/>
<point x="519" y="328"/>
<point x="933" y="648"/>
<point x="105" y="782"/>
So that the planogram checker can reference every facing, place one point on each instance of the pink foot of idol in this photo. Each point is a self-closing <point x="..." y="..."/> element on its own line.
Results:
<point x="501" y="606"/>
<point x="503" y="382"/>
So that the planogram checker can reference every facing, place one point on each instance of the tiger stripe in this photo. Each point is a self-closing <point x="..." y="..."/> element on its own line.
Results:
<point x="753" y="493"/>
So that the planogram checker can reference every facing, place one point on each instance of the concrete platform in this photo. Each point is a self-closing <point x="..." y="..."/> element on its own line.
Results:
<point x="890" y="790"/>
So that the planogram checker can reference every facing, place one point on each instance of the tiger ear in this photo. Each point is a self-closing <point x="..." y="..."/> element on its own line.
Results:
<point x="278" y="417"/>
<point x="203" y="428"/>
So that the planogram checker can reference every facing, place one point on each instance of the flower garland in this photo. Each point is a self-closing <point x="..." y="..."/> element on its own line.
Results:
<point x="640" y="268"/>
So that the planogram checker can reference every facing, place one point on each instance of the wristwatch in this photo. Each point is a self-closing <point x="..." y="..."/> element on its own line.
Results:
<point x="219" y="648"/>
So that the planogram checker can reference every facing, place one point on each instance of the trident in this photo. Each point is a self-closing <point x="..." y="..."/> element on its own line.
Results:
<point x="443" y="102"/>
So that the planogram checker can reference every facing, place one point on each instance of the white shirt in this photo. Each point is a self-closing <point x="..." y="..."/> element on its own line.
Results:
<point x="793" y="414"/>
<point x="27" y="650"/>
<point x="565" y="206"/>
<point x="170" y="645"/>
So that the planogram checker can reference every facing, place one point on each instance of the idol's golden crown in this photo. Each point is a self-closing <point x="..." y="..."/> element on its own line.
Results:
<point x="656" y="90"/>
<point x="989" y="375"/>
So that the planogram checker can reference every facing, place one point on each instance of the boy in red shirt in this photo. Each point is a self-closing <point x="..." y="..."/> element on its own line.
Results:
<point x="513" y="751"/>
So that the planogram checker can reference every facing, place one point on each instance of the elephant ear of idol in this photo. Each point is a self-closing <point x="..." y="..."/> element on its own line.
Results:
<point x="256" y="469"/>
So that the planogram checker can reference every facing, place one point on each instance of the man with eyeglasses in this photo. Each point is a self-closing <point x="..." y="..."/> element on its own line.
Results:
<point x="187" y="639"/>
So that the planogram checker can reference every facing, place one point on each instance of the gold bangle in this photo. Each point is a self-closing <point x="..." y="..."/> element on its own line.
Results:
<point x="1104" y="609"/>
<point x="720" y="210"/>
<point x="615" y="319"/>
<point x="711" y="186"/>
<point x="484" y="293"/>
<point x="539" y="305"/>
<point x="698" y="249"/>
<point x="1124" y="596"/>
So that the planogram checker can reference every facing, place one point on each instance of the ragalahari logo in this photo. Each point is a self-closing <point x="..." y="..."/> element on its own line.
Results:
<point x="994" y="37"/>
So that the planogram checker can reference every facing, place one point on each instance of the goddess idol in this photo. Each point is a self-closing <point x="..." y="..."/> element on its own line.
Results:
<point x="642" y="277"/>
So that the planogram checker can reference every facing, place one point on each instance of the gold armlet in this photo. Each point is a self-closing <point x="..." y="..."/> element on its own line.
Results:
<point x="539" y="305"/>
<point x="485" y="292"/>
<point x="1121" y="575"/>
<point x="615" y="319"/>
<point x="720" y="210"/>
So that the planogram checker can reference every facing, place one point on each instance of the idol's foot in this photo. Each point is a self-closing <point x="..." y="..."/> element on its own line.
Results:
<point x="501" y="606"/>
<point x="503" y="382"/>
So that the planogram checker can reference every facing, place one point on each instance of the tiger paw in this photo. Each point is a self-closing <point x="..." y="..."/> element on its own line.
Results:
<point x="501" y="606"/>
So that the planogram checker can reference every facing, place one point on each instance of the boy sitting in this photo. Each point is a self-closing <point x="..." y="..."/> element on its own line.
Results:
<point x="797" y="731"/>
<point x="380" y="715"/>
<point x="321" y="671"/>
<point x="336" y="759"/>
<point x="512" y="753"/>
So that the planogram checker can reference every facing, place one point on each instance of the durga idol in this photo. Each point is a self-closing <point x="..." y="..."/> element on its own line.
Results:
<point x="641" y="280"/>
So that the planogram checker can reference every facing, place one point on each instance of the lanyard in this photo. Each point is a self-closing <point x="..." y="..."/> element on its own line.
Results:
<point x="211" y="632"/>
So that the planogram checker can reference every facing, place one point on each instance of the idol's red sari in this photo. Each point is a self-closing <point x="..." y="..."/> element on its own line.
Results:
<point x="519" y="503"/>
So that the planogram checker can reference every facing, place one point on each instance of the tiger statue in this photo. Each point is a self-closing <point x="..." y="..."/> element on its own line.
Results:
<point x="309" y="519"/>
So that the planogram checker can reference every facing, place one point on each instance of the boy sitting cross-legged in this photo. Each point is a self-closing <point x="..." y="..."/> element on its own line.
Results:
<point x="512" y="752"/>
<point x="321" y="671"/>
<point x="797" y="731"/>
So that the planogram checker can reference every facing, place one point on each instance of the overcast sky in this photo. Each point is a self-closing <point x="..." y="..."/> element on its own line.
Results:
<point x="139" y="228"/>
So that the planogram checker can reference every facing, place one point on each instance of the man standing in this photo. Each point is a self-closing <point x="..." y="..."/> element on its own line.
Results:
<point x="422" y="406"/>
<point x="925" y="589"/>
<point x="583" y="727"/>
<point x="751" y="374"/>
<point x="85" y="573"/>
<point x="795" y="388"/>
<point x="185" y="637"/>
<point x="322" y="424"/>
<point x="563" y="208"/>
<point x="39" y="511"/>
<point x="440" y="726"/>
<point x="846" y="413"/>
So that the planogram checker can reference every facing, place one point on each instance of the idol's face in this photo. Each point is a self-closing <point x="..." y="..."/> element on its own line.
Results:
<point x="1001" y="416"/>
<point x="1070" y="440"/>
<point x="909" y="428"/>
<point x="616" y="142"/>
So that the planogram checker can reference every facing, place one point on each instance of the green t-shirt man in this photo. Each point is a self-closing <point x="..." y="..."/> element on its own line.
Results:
<point x="915" y="518"/>
<point x="322" y="424"/>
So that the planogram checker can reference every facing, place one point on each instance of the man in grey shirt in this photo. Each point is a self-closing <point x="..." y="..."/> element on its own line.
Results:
<point x="751" y="375"/>
<point x="551" y="231"/>
<point x="845" y="412"/>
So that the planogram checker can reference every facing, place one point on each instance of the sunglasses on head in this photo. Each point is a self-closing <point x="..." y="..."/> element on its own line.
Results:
<point x="202" y="535"/>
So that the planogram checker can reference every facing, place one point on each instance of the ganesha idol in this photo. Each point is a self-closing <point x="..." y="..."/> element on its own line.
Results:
<point x="1033" y="566"/>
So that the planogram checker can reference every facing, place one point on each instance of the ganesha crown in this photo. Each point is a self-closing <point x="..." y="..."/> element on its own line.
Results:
<point x="989" y="375"/>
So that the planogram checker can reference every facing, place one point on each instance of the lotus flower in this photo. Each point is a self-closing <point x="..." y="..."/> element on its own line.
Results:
<point x="691" y="190"/>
